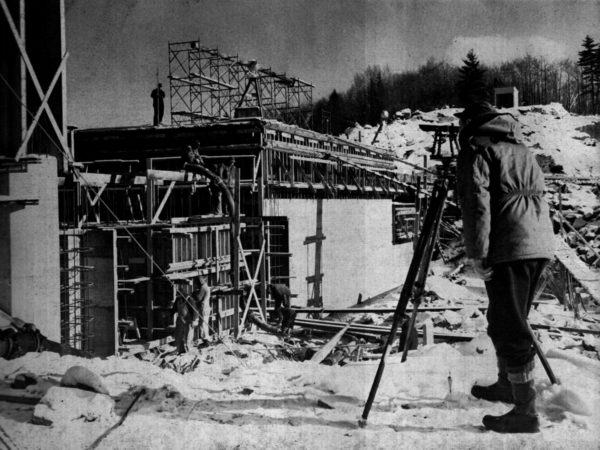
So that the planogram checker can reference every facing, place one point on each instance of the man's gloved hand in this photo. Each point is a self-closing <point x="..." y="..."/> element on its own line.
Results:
<point x="482" y="270"/>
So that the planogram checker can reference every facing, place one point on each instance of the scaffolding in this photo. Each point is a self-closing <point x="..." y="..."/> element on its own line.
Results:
<point x="206" y="85"/>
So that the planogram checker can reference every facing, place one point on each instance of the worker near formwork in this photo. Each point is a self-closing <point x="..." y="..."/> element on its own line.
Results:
<point x="508" y="237"/>
<point x="158" y="104"/>
<point x="229" y="174"/>
<point x="201" y="297"/>
<point x="281" y="295"/>
<point x="192" y="155"/>
<point x="187" y="317"/>
<point x="215" y="192"/>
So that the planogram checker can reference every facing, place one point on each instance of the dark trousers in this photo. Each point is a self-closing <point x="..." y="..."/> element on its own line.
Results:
<point x="158" y="114"/>
<point x="511" y="292"/>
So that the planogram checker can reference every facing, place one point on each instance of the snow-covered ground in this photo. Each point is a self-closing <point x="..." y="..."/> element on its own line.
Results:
<point x="243" y="402"/>
<point x="546" y="129"/>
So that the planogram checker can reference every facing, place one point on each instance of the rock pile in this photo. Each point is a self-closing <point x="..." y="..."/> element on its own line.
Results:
<point x="578" y="210"/>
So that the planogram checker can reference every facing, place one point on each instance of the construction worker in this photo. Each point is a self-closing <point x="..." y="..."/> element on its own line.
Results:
<point x="229" y="174"/>
<point x="201" y="298"/>
<point x="158" y="104"/>
<point x="187" y="316"/>
<point x="281" y="294"/>
<point x="508" y="238"/>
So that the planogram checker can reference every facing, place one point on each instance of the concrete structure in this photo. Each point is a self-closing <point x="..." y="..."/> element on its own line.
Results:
<point x="506" y="97"/>
<point x="358" y="255"/>
<point x="318" y="213"/>
<point x="29" y="253"/>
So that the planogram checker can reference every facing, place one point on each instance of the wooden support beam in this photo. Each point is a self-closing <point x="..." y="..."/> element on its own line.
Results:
<point x="327" y="348"/>
<point x="315" y="279"/>
<point x="235" y="263"/>
<point x="374" y="330"/>
<point x="41" y="109"/>
<point x="163" y="202"/>
<point x="149" y="253"/>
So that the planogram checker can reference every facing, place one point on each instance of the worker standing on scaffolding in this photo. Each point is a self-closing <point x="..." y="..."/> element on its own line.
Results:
<point x="201" y="297"/>
<point x="158" y="103"/>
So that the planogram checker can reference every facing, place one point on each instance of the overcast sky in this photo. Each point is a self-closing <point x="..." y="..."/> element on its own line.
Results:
<point x="116" y="46"/>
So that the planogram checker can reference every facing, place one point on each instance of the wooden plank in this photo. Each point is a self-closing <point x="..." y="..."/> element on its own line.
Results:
<point x="310" y="310"/>
<point x="327" y="348"/>
<point x="539" y="326"/>
<point x="140" y="347"/>
<point x="24" y="399"/>
<point x="377" y="330"/>
<point x="588" y="278"/>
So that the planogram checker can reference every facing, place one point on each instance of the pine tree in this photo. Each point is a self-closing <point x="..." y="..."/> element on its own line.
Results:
<point x="589" y="70"/>
<point x="471" y="84"/>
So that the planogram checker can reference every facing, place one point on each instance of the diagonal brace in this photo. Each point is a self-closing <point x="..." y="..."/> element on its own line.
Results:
<point x="36" y="118"/>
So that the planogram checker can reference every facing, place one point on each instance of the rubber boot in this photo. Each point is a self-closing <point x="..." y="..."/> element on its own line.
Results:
<point x="500" y="391"/>
<point x="523" y="417"/>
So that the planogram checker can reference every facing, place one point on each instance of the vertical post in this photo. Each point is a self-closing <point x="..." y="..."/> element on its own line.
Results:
<point x="235" y="252"/>
<point x="150" y="255"/>
<point x="318" y="250"/>
<point x="424" y="193"/>
<point x="262" y="186"/>
<point x="417" y="223"/>
<point x="23" y="72"/>
<point x="263" y="267"/>
<point x="560" y="216"/>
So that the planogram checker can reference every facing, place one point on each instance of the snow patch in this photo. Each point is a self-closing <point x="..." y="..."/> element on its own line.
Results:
<point x="63" y="405"/>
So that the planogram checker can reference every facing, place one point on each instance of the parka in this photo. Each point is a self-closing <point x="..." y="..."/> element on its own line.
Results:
<point x="500" y="189"/>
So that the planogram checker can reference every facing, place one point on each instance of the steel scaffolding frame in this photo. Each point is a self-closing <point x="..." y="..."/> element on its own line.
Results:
<point x="207" y="85"/>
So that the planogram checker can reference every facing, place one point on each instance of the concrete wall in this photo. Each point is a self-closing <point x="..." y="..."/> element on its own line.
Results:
<point x="358" y="255"/>
<point x="29" y="247"/>
<point x="103" y="293"/>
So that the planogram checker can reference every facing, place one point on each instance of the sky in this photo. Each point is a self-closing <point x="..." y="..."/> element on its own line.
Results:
<point x="116" y="47"/>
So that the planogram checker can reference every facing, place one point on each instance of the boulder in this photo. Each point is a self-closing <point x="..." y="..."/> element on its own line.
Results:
<point x="83" y="378"/>
<point x="586" y="211"/>
<point x="579" y="223"/>
<point x="63" y="405"/>
<point x="452" y="318"/>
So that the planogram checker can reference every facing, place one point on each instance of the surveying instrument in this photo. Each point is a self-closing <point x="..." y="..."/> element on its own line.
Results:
<point x="414" y="286"/>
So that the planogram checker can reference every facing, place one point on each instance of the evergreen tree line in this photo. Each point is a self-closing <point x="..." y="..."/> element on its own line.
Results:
<point x="574" y="84"/>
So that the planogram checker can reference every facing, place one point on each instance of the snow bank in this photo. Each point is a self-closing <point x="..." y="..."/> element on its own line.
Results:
<point x="547" y="130"/>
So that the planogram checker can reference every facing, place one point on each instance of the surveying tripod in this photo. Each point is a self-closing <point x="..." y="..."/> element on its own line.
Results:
<point x="414" y="286"/>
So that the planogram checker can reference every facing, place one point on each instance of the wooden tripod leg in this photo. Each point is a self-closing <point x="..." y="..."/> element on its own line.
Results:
<point x="423" y="250"/>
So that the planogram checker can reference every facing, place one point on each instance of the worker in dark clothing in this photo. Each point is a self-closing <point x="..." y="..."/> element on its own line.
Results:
<point x="281" y="294"/>
<point x="187" y="317"/>
<point x="508" y="237"/>
<point x="158" y="103"/>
